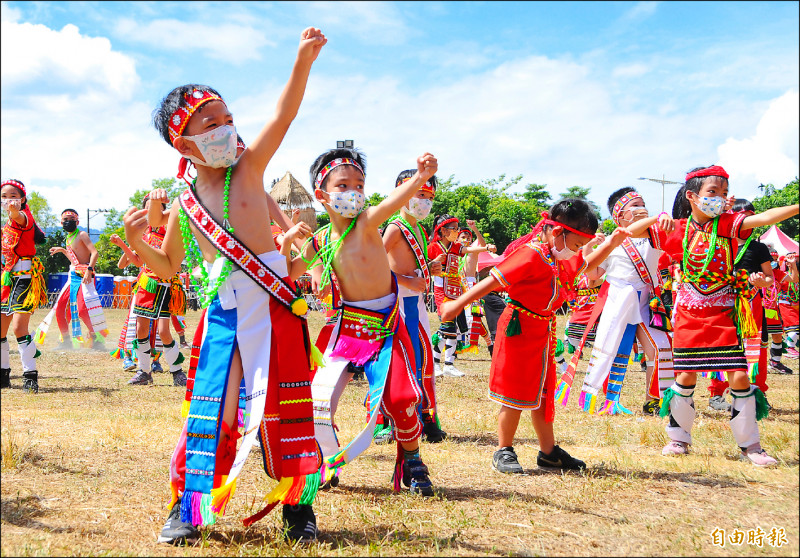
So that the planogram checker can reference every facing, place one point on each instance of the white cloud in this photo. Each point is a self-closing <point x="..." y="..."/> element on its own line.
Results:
<point x="230" y="42"/>
<point x="640" y="11"/>
<point x="35" y="52"/>
<point x="770" y="155"/>
<point x="7" y="13"/>
<point x="373" y="23"/>
<point x="630" y="70"/>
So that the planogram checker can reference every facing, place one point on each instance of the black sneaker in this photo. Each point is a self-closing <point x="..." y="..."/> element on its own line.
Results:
<point x="559" y="460"/>
<point x="505" y="461"/>
<point x="651" y="407"/>
<point x="718" y="403"/>
<point x="432" y="433"/>
<point x="178" y="532"/>
<point x="300" y="523"/>
<point x="156" y="368"/>
<point x="5" y="377"/>
<point x="179" y="378"/>
<point x="781" y="368"/>
<point x="416" y="477"/>
<point x="141" y="378"/>
<point x="30" y="381"/>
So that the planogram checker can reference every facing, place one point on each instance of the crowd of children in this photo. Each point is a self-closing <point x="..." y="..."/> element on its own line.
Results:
<point x="255" y="368"/>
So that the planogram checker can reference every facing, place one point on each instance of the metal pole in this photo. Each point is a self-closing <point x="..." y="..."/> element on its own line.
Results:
<point x="87" y="224"/>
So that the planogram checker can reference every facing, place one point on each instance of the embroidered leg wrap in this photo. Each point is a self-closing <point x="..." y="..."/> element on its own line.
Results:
<point x="775" y="351"/>
<point x="450" y="350"/>
<point x="143" y="351"/>
<point x="749" y="405"/>
<point x="27" y="353"/>
<point x="791" y="339"/>
<point x="679" y="404"/>
<point x="447" y="334"/>
<point x="173" y="356"/>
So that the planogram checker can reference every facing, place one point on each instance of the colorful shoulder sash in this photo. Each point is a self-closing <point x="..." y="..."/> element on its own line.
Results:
<point x="638" y="263"/>
<point x="419" y="255"/>
<point x="241" y="255"/>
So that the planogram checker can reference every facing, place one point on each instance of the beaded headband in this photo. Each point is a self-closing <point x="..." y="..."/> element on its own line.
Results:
<point x="621" y="203"/>
<point x="715" y="170"/>
<point x="465" y="230"/>
<point x="332" y="165"/>
<point x="180" y="118"/>
<point x="70" y="214"/>
<point x="15" y="183"/>
<point x="427" y="187"/>
<point x="442" y="224"/>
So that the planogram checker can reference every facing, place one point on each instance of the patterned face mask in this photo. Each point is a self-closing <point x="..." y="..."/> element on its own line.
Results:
<point x="711" y="207"/>
<point x="347" y="204"/>
<point x="217" y="146"/>
<point x="420" y="207"/>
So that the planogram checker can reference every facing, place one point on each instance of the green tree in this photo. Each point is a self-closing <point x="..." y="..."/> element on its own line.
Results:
<point x="57" y="262"/>
<point x="608" y="226"/>
<point x="536" y="193"/>
<point x="583" y="194"/>
<point x="777" y="197"/>
<point x="41" y="211"/>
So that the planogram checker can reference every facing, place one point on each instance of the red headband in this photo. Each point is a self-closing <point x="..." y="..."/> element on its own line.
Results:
<point x="16" y="184"/>
<point x="546" y="220"/>
<point x="442" y="224"/>
<point x="621" y="203"/>
<point x="71" y="214"/>
<point x="715" y="170"/>
<point x="180" y="118"/>
<point x="427" y="187"/>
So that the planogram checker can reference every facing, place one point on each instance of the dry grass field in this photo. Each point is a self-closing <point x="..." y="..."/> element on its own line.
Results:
<point x="84" y="472"/>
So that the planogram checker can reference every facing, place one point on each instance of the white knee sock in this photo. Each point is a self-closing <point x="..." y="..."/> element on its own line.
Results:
<point x="27" y="353"/>
<point x="791" y="340"/>
<point x="449" y="350"/>
<point x="143" y="354"/>
<point x="172" y="355"/>
<point x="743" y="417"/>
<point x="681" y="413"/>
<point x="4" y="359"/>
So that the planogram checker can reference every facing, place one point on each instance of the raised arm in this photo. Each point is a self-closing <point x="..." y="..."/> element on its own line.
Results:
<point x="599" y="255"/>
<point x="374" y="216"/>
<point x="769" y="217"/>
<point x="128" y="256"/>
<point x="166" y="261"/>
<point x="157" y="216"/>
<point x="450" y="309"/>
<point x="260" y="151"/>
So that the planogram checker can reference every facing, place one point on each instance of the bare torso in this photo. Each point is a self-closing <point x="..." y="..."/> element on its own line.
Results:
<point x="401" y="259"/>
<point x="361" y="265"/>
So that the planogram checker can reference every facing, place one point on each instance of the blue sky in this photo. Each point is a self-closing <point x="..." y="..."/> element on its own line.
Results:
<point x="593" y="94"/>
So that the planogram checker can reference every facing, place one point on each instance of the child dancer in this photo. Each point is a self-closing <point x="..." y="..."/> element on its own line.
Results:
<point x="712" y="317"/>
<point x="788" y="298"/>
<point x="634" y="283"/>
<point x="774" y="320"/>
<point x="369" y="330"/>
<point x="523" y="374"/>
<point x="755" y="259"/>
<point x="23" y="284"/>
<point x="406" y="246"/>
<point x="253" y="327"/>
<point x="78" y="300"/>
<point x="156" y="299"/>
<point x="448" y="287"/>
<point x="469" y="270"/>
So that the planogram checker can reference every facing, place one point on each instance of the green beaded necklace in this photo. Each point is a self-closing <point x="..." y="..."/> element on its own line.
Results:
<point x="327" y="252"/>
<point x="194" y="256"/>
<point x="743" y="249"/>
<point x="712" y="248"/>
<point x="70" y="237"/>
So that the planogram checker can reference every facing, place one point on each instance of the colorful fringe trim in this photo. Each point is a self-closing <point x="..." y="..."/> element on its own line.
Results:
<point x="355" y="350"/>
<point x="397" y="474"/>
<point x="669" y="393"/>
<point x="587" y="402"/>
<point x="315" y="357"/>
<point x="613" y="408"/>
<point x="562" y="393"/>
<point x="196" y="508"/>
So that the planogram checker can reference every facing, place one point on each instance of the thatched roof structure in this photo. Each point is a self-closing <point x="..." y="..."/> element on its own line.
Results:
<point x="290" y="195"/>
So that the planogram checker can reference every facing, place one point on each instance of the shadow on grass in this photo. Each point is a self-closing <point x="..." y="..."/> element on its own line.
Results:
<point x="45" y="389"/>
<point x="704" y="479"/>
<point x="486" y="439"/>
<point x="26" y="512"/>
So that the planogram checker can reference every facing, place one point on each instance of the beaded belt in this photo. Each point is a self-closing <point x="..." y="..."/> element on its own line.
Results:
<point x="588" y="292"/>
<point x="366" y="325"/>
<point x="514" y="326"/>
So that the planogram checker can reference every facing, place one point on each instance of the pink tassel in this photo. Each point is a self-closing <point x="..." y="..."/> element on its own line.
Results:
<point x="355" y="350"/>
<point x="240" y="418"/>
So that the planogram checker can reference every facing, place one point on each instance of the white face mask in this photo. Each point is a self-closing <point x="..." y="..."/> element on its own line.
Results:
<point x="711" y="207"/>
<point x="4" y="204"/>
<point x="347" y="204"/>
<point x="217" y="146"/>
<point x="420" y="207"/>
<point x="563" y="254"/>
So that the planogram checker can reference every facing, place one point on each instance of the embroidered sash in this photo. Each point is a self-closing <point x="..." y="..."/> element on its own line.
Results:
<point x="452" y="279"/>
<point x="416" y="249"/>
<point x="241" y="255"/>
<point x="638" y="263"/>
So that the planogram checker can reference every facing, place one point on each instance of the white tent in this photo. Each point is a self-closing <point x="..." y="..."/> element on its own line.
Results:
<point x="778" y="240"/>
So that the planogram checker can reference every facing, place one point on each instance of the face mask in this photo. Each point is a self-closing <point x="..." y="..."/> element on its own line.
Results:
<point x="563" y="254"/>
<point x="217" y="146"/>
<point x="711" y="207"/>
<point x="347" y="204"/>
<point x="420" y="207"/>
<point x="70" y="226"/>
<point x="4" y="204"/>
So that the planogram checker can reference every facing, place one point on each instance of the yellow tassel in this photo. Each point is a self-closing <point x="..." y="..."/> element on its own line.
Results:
<point x="221" y="496"/>
<point x="744" y="315"/>
<point x="185" y="408"/>
<point x="280" y="492"/>
<point x="174" y="490"/>
<point x="315" y="358"/>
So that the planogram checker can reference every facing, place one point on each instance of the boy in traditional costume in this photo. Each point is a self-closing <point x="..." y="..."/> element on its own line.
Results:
<point x="523" y="372"/>
<point x="468" y="267"/>
<point x="155" y="300"/>
<point x="627" y="314"/>
<point x="78" y="300"/>
<point x="369" y="330"/>
<point x="23" y="284"/>
<point x="253" y="327"/>
<point x="447" y="249"/>
<point x="406" y="246"/>
<point x="712" y="316"/>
